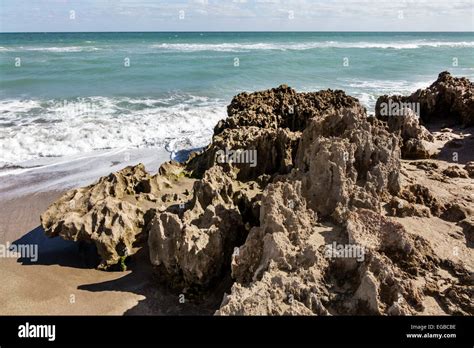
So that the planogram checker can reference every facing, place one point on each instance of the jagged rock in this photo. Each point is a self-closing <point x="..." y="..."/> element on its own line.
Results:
<point x="455" y="172"/>
<point x="270" y="266"/>
<point x="323" y="172"/>
<point x="455" y="212"/>
<point x="420" y="194"/>
<point x="401" y="208"/>
<point x="289" y="273"/>
<point x="281" y="107"/>
<point x="268" y="122"/>
<point x="418" y="149"/>
<point x="249" y="152"/>
<point x="109" y="213"/>
<point x="469" y="167"/>
<point x="337" y="139"/>
<point x="193" y="246"/>
<point x="416" y="140"/>
<point x="277" y="293"/>
<point x="283" y="212"/>
<point x="345" y="161"/>
<point x="449" y="99"/>
<point x="394" y="256"/>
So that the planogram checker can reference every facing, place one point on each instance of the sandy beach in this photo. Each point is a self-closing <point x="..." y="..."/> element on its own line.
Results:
<point x="220" y="167"/>
<point x="61" y="283"/>
<point x="62" y="280"/>
<point x="58" y="283"/>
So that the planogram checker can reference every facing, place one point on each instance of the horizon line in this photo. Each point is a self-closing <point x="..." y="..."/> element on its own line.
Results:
<point x="233" y="31"/>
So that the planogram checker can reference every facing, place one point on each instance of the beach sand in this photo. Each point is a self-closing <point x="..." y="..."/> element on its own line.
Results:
<point x="48" y="287"/>
<point x="63" y="281"/>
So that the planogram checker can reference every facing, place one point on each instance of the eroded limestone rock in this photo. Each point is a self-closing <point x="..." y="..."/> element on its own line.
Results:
<point x="194" y="245"/>
<point x="111" y="213"/>
<point x="324" y="173"/>
<point x="449" y="99"/>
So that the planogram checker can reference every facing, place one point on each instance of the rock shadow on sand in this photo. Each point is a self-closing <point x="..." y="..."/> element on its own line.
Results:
<point x="159" y="300"/>
<point x="57" y="251"/>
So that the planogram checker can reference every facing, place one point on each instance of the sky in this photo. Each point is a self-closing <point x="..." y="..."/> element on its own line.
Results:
<point x="235" y="15"/>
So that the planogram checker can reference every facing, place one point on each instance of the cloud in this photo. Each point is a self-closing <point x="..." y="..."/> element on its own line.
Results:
<point x="376" y="15"/>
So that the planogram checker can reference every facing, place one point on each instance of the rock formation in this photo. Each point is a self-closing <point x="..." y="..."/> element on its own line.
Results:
<point x="448" y="101"/>
<point x="112" y="213"/>
<point x="303" y="200"/>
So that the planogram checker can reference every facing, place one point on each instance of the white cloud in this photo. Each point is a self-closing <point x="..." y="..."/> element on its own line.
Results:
<point x="372" y="15"/>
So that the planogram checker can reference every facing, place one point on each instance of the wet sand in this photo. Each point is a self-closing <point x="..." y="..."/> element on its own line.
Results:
<point x="64" y="282"/>
<point x="53" y="284"/>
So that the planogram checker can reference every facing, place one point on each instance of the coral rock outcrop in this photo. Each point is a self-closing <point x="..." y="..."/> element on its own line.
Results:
<point x="299" y="201"/>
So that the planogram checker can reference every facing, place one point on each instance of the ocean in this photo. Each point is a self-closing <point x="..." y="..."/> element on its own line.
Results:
<point x="78" y="95"/>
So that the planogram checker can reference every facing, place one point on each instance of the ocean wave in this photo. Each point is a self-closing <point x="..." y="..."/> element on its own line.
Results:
<point x="368" y="91"/>
<point x="63" y="49"/>
<point x="262" y="46"/>
<point x="387" y="85"/>
<point x="55" y="128"/>
<point x="239" y="47"/>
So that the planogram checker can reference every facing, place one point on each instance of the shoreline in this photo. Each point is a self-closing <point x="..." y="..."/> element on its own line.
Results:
<point x="45" y="287"/>
<point x="75" y="171"/>
<point x="62" y="281"/>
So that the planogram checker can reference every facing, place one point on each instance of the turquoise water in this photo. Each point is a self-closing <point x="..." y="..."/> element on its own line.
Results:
<point x="76" y="93"/>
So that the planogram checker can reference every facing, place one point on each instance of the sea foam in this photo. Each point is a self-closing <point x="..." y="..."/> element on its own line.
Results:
<point x="32" y="129"/>
<point x="242" y="47"/>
